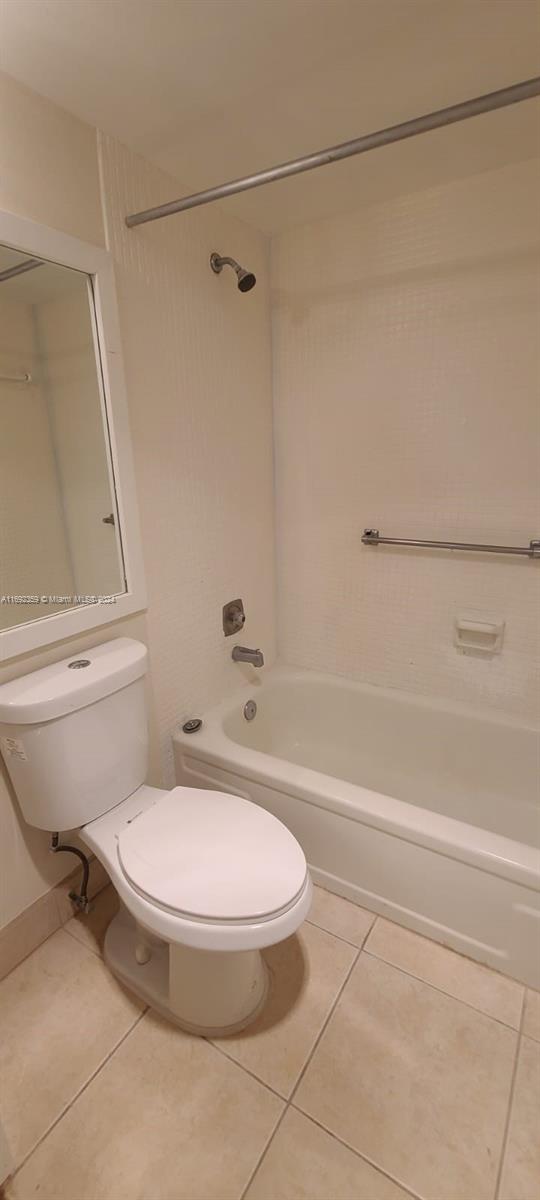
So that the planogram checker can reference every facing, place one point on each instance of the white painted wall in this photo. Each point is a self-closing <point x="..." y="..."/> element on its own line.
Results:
<point x="49" y="173"/>
<point x="49" y="168"/>
<point x="405" y="381"/>
<point x="197" y="356"/>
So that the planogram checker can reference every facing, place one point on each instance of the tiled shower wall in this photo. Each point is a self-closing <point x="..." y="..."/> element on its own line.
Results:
<point x="198" y="372"/>
<point x="405" y="393"/>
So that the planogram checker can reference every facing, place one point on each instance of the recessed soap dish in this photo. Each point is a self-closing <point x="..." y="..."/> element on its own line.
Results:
<point x="483" y="636"/>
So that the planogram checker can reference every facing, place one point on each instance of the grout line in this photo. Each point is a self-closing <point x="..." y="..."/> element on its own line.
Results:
<point x="61" y="925"/>
<point x="469" y="958"/>
<point x="324" y="1025"/>
<point x="259" y="1078"/>
<point x="99" y="954"/>
<point x="338" y="936"/>
<point x="358" y="1153"/>
<point x="510" y="1101"/>
<point x="267" y="1147"/>
<point x="81" y="942"/>
<point x="450" y="995"/>
<point x="34" y="950"/>
<point x="78" y="1094"/>
<point x="247" y="1070"/>
<point x="301" y="1075"/>
<point x="376" y="1166"/>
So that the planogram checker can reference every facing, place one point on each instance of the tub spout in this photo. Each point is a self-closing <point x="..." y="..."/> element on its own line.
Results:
<point x="243" y="654"/>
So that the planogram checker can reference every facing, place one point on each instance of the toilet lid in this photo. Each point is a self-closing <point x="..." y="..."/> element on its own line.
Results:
<point x="211" y="855"/>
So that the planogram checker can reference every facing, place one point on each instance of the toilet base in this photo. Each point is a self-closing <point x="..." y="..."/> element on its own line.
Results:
<point x="208" y="993"/>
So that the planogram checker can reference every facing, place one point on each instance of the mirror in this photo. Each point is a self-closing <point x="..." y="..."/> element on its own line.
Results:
<point x="60" y="537"/>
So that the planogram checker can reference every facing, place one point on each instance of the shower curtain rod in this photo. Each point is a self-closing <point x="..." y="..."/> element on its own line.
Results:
<point x="370" y="141"/>
<point x="26" y="378"/>
<point x="29" y="264"/>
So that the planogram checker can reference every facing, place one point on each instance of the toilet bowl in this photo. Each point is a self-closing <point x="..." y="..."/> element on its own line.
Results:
<point x="206" y="879"/>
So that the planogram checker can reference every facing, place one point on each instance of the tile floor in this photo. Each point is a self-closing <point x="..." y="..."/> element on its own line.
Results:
<point x="384" y="1067"/>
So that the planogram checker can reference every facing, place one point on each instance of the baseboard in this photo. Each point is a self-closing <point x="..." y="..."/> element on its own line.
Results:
<point x="47" y="914"/>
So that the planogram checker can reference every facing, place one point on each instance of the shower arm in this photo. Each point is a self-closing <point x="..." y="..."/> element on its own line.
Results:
<point x="222" y="260"/>
<point x="489" y="102"/>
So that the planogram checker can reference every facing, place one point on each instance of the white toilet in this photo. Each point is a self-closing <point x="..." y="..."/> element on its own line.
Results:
<point x="206" y="879"/>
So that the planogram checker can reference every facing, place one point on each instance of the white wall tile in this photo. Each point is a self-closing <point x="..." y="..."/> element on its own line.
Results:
<point x="198" y="366"/>
<point x="405" y="374"/>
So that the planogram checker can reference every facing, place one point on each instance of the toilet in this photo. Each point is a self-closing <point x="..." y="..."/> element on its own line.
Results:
<point x="206" y="879"/>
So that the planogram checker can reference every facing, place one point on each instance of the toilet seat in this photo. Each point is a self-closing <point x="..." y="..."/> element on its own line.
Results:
<point x="212" y="856"/>
<point x="102" y="836"/>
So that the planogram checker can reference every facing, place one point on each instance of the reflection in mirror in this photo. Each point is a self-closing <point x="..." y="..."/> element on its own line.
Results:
<point x="59" y="536"/>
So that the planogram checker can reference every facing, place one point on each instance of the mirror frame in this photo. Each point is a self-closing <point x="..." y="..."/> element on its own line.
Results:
<point x="20" y="233"/>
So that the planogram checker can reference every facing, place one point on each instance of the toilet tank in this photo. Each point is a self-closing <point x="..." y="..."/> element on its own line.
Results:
<point x="74" y="735"/>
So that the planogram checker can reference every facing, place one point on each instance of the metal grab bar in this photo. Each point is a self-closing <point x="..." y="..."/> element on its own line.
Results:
<point x="371" y="537"/>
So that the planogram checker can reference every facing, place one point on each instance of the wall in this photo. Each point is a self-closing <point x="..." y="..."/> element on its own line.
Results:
<point x="402" y="372"/>
<point x="198" y="367"/>
<point x="50" y="174"/>
<point x="49" y="165"/>
<point x="405" y="372"/>
<point x="197" y="358"/>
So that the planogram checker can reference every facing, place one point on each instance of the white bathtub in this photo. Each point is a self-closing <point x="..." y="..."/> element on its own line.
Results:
<point x="420" y="810"/>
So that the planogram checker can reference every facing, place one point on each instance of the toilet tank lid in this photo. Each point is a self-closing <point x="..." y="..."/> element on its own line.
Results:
<point x="66" y="686"/>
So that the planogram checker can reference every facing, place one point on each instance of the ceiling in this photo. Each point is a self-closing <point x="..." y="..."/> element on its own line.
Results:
<point x="214" y="89"/>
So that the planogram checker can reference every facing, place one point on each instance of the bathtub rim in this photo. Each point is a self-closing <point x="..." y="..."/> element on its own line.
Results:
<point x="481" y="848"/>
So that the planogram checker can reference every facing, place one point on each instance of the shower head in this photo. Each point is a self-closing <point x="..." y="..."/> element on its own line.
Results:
<point x="246" y="279"/>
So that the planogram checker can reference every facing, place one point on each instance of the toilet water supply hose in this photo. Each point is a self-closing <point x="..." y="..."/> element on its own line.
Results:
<point x="80" y="899"/>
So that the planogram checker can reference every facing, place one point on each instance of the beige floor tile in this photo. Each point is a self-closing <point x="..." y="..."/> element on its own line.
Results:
<point x="486" y="990"/>
<point x="531" y="1016"/>
<point x="91" y="929"/>
<point x="521" y="1170"/>
<point x="61" y="1013"/>
<point x="339" y="916"/>
<point x="307" y="972"/>
<point x="415" y="1080"/>
<point x="28" y="931"/>
<point x="305" y="1163"/>
<point x="167" y="1118"/>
